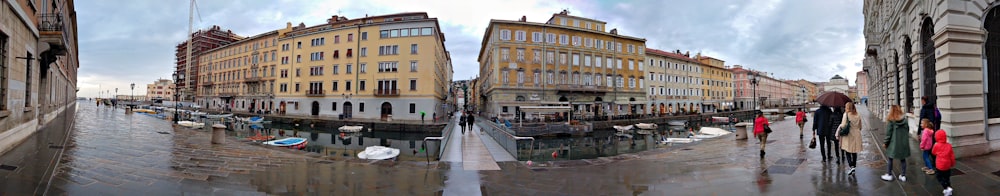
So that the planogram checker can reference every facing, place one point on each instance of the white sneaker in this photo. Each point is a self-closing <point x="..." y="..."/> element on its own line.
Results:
<point x="902" y="178"/>
<point x="886" y="177"/>
<point x="850" y="171"/>
<point x="947" y="192"/>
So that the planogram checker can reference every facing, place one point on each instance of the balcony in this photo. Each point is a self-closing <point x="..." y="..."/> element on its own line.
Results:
<point x="315" y="93"/>
<point x="386" y="92"/>
<point x="50" y="27"/>
<point x="579" y="88"/>
<point x="227" y="94"/>
<point x="209" y="83"/>
<point x="252" y="79"/>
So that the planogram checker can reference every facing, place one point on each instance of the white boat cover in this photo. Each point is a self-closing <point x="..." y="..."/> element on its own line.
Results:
<point x="378" y="153"/>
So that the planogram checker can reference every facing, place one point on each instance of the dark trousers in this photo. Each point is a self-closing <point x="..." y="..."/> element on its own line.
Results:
<point x="829" y="145"/>
<point x="852" y="159"/>
<point x="463" y="127"/>
<point x="902" y="165"/>
<point x="943" y="177"/>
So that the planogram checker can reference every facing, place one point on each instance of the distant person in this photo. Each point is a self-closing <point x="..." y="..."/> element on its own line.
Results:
<point x="471" y="122"/>
<point x="945" y="160"/>
<point x="897" y="142"/>
<point x="821" y="126"/>
<point x="800" y="119"/>
<point x="759" y="126"/>
<point x="461" y="121"/>
<point x="851" y="143"/>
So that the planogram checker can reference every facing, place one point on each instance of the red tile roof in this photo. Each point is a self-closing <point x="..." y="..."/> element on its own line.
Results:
<point x="670" y="54"/>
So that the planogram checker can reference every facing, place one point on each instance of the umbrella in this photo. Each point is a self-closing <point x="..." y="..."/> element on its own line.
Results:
<point x="833" y="99"/>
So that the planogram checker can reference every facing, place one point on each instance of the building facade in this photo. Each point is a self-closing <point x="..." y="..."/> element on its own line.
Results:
<point x="201" y="41"/>
<point x="567" y="61"/>
<point x="38" y="66"/>
<point x="162" y="89"/>
<point x="299" y="71"/>
<point x="861" y="82"/>
<point x="770" y="92"/>
<point x="717" y="84"/>
<point x="941" y="51"/>
<point x="672" y="82"/>
<point x="837" y="84"/>
<point x="812" y="89"/>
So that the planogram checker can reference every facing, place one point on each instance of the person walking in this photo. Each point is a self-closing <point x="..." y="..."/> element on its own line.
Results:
<point x="835" y="120"/>
<point x="929" y="111"/>
<point x="850" y="143"/>
<point x="760" y="128"/>
<point x="945" y="160"/>
<point x="821" y="126"/>
<point x="800" y="119"/>
<point x="926" y="143"/>
<point x="897" y="142"/>
<point x="471" y="122"/>
<point x="461" y="121"/>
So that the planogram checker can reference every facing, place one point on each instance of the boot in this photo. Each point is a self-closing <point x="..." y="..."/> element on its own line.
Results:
<point x="762" y="154"/>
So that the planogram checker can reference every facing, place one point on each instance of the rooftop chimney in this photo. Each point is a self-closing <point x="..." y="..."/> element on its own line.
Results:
<point x="524" y="18"/>
<point x="614" y="31"/>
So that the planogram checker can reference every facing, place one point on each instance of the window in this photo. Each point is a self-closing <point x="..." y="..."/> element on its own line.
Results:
<point x="284" y="73"/>
<point x="298" y="72"/>
<point x="536" y="37"/>
<point x="537" y="78"/>
<point x="361" y="85"/>
<point x="587" y="42"/>
<point x="520" y="77"/>
<point x="27" y="80"/>
<point x="350" y="37"/>
<point x="631" y="64"/>
<point x="550" y="57"/>
<point x="520" y="55"/>
<point x="537" y="57"/>
<point x="299" y="45"/>
<point x="597" y="61"/>
<point x="504" y="54"/>
<point x="631" y="48"/>
<point x="426" y="31"/>
<point x="336" y="69"/>
<point x="413" y="108"/>
<point x="521" y="36"/>
<point x="347" y="85"/>
<point x="413" y="48"/>
<point x="413" y="84"/>
<point x="576" y="59"/>
<point x="413" y="66"/>
<point x="349" y="51"/>
<point x="551" y="77"/>
<point x="364" y="52"/>
<point x="388" y="66"/>
<point x="576" y="41"/>
<point x="404" y="33"/>
<point x="394" y="33"/>
<point x="364" y="36"/>
<point x="349" y="68"/>
<point x="619" y="63"/>
<point x="563" y="39"/>
<point x="550" y="38"/>
<point x="334" y="104"/>
<point x="361" y="107"/>
<point x="586" y="60"/>
<point x="296" y="87"/>
<point x="298" y="59"/>
<point x="316" y="71"/>
<point x="562" y="58"/>
<point x="283" y="87"/>
<point x="383" y="34"/>
<point x="334" y="84"/>
<point x="362" y="68"/>
<point x="504" y="34"/>
<point x="3" y="71"/>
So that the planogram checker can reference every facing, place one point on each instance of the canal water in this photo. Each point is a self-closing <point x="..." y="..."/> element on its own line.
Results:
<point x="600" y="143"/>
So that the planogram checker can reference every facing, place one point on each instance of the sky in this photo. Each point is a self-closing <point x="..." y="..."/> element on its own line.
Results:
<point x="123" y="42"/>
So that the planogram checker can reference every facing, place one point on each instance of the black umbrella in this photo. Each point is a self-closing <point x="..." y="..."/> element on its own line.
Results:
<point x="833" y="99"/>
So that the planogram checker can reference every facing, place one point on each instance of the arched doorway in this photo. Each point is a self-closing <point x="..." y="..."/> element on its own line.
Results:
<point x="929" y="69"/>
<point x="348" y="109"/>
<point x="386" y="110"/>
<point x="597" y="105"/>
<point x="281" y="107"/>
<point x="992" y="68"/>
<point x="315" y="108"/>
<point x="908" y="72"/>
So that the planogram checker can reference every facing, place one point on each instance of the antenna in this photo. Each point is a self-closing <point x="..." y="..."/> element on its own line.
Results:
<point x="197" y="10"/>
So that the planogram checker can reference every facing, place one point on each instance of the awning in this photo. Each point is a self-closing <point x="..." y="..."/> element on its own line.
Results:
<point x="545" y="109"/>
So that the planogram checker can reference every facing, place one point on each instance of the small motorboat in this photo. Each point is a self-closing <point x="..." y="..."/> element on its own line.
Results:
<point x="378" y="153"/>
<point x="148" y="111"/>
<point x="646" y="125"/>
<point x="291" y="142"/>
<point x="350" y="129"/>
<point x="217" y="116"/>
<point x="679" y="140"/>
<point x="255" y="120"/>
<point x="622" y="128"/>
<point x="191" y="124"/>
<point x="677" y="122"/>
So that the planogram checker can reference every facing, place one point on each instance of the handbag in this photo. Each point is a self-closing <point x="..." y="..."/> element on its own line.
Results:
<point x="767" y="129"/>
<point x="812" y="144"/>
<point x="847" y="129"/>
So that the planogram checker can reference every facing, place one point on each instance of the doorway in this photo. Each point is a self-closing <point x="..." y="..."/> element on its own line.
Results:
<point x="315" y="108"/>
<point x="386" y="110"/>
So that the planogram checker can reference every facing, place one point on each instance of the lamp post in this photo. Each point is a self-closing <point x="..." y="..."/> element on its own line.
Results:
<point x="753" y="82"/>
<point x="177" y="78"/>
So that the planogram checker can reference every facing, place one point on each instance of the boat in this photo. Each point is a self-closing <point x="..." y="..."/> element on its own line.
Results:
<point x="622" y="128"/>
<point x="214" y="116"/>
<point x="348" y="128"/>
<point x="643" y="131"/>
<point x="191" y="124"/>
<point x="255" y="120"/>
<point x="291" y="142"/>
<point x="646" y="125"/>
<point x="148" y="111"/>
<point x="378" y="153"/>
<point x="677" y="122"/>
<point x="679" y="140"/>
<point x="710" y="132"/>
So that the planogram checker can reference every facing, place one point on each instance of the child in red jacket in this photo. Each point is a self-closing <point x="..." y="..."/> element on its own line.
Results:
<point x="945" y="160"/>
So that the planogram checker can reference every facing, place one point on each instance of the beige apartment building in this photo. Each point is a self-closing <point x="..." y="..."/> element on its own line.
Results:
<point x="717" y="84"/>
<point x="377" y="67"/>
<point x="673" y="82"/>
<point x="566" y="61"/>
<point x="162" y="89"/>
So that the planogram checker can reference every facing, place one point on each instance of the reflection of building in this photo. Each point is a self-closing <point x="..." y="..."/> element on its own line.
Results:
<point x="861" y="82"/>
<point x="203" y="40"/>
<point x="160" y="89"/>
<point x="38" y="66"/>
<point x="837" y="84"/>
<point x="941" y="51"/>
<point x="716" y="84"/>
<point x="568" y="60"/>
<point x="673" y="82"/>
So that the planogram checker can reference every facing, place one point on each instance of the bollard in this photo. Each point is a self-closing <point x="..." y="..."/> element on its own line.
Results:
<point x="218" y="134"/>
<point x="741" y="130"/>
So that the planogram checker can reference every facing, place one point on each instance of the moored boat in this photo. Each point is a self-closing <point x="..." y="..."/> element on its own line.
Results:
<point x="646" y="125"/>
<point x="378" y="153"/>
<point x="191" y="124"/>
<point x="291" y="142"/>
<point x="348" y="128"/>
<point x="677" y="122"/>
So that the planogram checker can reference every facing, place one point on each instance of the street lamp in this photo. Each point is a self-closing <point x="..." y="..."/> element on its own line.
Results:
<point x="753" y="82"/>
<point x="177" y="78"/>
<point x="132" y="94"/>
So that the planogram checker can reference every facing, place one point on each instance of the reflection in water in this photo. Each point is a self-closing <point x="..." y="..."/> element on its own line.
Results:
<point x="600" y="143"/>
<point x="336" y="144"/>
<point x="348" y="178"/>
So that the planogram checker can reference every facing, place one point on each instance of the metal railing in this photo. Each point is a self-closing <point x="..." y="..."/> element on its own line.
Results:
<point x="50" y="22"/>
<point x="505" y="137"/>
<point x="445" y="137"/>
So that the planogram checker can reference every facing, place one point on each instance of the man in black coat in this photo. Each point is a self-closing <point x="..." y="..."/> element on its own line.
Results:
<point x="928" y="111"/>
<point x="821" y="126"/>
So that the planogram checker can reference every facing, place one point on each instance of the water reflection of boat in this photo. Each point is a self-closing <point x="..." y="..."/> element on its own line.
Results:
<point x="622" y="128"/>
<point x="345" y="136"/>
<point x="646" y="125"/>
<point x="378" y="153"/>
<point x="348" y="128"/>
<point x="191" y="124"/>
<point x="625" y="135"/>
<point x="677" y="122"/>
<point x="644" y="131"/>
<point x="292" y="142"/>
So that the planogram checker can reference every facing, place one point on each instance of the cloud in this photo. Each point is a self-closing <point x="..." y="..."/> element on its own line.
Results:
<point x="122" y="42"/>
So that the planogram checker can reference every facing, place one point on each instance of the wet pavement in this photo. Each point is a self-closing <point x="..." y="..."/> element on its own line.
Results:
<point x="113" y="153"/>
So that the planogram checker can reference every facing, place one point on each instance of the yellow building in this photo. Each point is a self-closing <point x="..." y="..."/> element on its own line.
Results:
<point x="568" y="60"/>
<point x="717" y="86"/>
<point x="378" y="67"/>
<point x="673" y="80"/>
